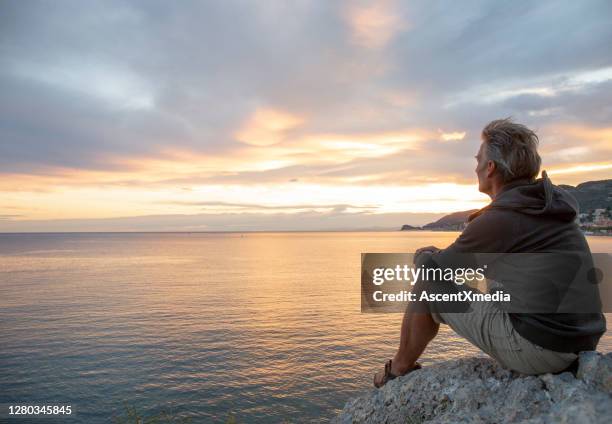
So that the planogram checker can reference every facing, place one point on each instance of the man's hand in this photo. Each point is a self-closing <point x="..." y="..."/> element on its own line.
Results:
<point x="427" y="249"/>
<point x="431" y="249"/>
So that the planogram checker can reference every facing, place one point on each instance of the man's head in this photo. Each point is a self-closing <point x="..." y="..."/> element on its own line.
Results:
<point x="509" y="152"/>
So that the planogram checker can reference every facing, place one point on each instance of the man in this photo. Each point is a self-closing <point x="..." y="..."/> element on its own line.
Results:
<point x="525" y="216"/>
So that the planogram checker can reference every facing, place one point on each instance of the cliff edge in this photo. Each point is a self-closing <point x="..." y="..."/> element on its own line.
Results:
<point x="478" y="390"/>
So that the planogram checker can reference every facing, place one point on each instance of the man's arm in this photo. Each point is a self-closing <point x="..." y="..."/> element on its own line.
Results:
<point x="491" y="232"/>
<point x="488" y="233"/>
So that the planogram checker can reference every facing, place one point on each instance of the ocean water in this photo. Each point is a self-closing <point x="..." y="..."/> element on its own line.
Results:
<point x="265" y="327"/>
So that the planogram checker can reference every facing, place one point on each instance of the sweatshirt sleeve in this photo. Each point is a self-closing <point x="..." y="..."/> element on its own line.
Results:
<point x="491" y="232"/>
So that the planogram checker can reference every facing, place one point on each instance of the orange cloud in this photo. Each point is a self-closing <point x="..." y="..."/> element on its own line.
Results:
<point x="373" y="24"/>
<point x="324" y="168"/>
<point x="450" y="136"/>
<point x="581" y="168"/>
<point x="593" y="135"/>
<point x="267" y="127"/>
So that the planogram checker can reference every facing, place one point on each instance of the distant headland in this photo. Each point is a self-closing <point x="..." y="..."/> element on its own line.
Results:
<point x="594" y="200"/>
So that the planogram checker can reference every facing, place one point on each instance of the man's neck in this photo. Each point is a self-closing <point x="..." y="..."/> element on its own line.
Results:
<point x="496" y="188"/>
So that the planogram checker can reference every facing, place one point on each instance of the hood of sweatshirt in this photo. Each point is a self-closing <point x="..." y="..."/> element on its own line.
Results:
<point x="540" y="197"/>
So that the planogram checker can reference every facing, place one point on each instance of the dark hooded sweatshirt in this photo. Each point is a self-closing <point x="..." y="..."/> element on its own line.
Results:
<point x="535" y="217"/>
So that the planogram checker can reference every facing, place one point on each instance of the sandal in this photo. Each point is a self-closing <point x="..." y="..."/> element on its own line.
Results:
<point x="388" y="376"/>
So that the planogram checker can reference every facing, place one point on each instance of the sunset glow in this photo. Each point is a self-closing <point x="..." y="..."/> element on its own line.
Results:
<point x="350" y="113"/>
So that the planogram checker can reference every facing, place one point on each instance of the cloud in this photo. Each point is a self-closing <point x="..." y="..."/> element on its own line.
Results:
<point x="450" y="136"/>
<point x="262" y="207"/>
<point x="9" y="217"/>
<point x="267" y="127"/>
<point x="153" y="96"/>
<point x="373" y="24"/>
<point x="200" y="77"/>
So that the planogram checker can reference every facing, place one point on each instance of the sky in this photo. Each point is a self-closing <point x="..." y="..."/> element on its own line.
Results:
<point x="286" y="115"/>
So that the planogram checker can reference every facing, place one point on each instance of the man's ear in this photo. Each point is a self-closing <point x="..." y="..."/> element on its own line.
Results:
<point x="491" y="167"/>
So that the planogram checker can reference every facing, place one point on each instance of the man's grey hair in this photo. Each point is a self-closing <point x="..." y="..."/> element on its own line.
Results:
<point x="514" y="149"/>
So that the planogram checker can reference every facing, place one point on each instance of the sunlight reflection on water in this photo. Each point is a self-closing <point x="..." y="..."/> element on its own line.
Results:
<point x="265" y="326"/>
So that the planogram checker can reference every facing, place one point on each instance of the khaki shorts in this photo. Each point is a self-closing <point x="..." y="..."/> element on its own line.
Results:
<point x="489" y="328"/>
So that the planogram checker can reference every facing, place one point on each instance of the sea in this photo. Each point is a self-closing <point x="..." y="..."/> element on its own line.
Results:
<point x="208" y="327"/>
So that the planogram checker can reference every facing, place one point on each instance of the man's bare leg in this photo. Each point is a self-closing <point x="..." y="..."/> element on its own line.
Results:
<point x="418" y="329"/>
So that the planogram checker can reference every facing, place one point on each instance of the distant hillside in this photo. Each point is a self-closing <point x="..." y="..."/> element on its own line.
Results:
<point x="590" y="195"/>
<point x="454" y="221"/>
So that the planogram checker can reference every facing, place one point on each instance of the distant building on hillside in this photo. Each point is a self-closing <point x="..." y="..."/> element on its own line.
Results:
<point x="596" y="221"/>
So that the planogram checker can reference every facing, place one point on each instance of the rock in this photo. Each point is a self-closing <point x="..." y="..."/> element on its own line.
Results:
<point x="478" y="390"/>
<point x="596" y="369"/>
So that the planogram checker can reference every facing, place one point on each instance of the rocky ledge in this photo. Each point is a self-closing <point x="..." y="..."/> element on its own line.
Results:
<point x="478" y="390"/>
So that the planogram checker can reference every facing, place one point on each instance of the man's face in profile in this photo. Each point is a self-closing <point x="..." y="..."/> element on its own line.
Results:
<point x="484" y="183"/>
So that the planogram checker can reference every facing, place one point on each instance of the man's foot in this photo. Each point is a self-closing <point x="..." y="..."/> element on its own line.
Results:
<point x="393" y="370"/>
